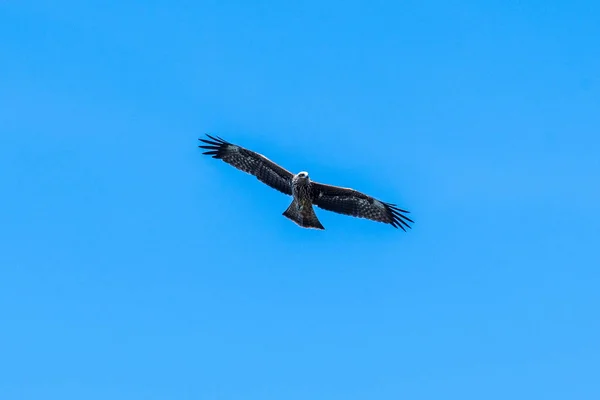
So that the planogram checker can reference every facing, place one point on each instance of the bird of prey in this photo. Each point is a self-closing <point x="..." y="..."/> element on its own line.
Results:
<point x="304" y="191"/>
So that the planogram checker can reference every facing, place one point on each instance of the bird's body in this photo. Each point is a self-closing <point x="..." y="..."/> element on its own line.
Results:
<point x="305" y="192"/>
<point x="301" y="209"/>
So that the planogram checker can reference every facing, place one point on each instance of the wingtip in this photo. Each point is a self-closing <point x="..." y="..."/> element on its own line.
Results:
<point x="217" y="139"/>
<point x="398" y="219"/>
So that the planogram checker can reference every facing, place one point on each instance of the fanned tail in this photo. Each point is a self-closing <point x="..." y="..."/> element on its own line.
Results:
<point x="306" y="217"/>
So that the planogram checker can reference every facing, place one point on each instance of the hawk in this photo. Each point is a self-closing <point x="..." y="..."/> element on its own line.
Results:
<point x="304" y="191"/>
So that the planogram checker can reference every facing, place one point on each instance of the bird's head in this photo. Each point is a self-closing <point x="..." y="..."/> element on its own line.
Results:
<point x="302" y="175"/>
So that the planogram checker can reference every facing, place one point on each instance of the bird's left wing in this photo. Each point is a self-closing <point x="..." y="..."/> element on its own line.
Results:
<point x="351" y="202"/>
<point x="251" y="162"/>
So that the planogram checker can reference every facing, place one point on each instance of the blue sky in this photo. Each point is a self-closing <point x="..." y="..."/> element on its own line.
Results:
<point x="133" y="267"/>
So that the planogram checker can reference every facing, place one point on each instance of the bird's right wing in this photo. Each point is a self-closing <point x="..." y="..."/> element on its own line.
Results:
<point x="251" y="162"/>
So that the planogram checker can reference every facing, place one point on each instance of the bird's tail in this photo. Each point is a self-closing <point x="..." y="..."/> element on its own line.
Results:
<point x="306" y="217"/>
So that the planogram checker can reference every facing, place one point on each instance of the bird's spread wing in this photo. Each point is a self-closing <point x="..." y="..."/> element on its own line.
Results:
<point x="351" y="202"/>
<point x="251" y="162"/>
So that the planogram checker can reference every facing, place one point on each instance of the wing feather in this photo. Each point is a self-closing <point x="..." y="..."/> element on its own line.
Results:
<point x="356" y="204"/>
<point x="250" y="162"/>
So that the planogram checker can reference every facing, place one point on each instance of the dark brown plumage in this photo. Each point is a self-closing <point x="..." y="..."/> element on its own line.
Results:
<point x="351" y="202"/>
<point x="306" y="193"/>
<point x="251" y="162"/>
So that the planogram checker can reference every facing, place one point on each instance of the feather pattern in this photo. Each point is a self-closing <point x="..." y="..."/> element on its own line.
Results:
<point x="351" y="202"/>
<point x="306" y="193"/>
<point x="250" y="162"/>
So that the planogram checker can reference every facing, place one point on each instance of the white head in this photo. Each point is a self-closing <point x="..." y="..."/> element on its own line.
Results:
<point x="302" y="175"/>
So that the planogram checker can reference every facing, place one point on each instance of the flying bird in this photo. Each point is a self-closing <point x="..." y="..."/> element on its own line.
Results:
<point x="304" y="191"/>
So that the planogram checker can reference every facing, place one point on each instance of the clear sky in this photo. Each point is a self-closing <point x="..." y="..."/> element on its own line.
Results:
<point x="133" y="267"/>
